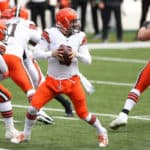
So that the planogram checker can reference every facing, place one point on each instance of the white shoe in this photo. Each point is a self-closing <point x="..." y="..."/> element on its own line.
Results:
<point x="11" y="133"/>
<point x="20" y="138"/>
<point x="121" y="120"/>
<point x="43" y="117"/>
<point x="103" y="139"/>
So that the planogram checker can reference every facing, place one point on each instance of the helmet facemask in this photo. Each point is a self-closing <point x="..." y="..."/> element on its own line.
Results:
<point x="75" y="26"/>
<point x="72" y="28"/>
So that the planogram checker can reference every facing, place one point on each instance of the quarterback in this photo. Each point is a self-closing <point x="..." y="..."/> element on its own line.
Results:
<point x="62" y="77"/>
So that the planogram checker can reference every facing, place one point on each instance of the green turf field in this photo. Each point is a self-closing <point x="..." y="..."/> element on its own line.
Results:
<point x="107" y="100"/>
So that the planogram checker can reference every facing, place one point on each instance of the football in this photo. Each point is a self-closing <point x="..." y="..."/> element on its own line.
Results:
<point x="67" y="51"/>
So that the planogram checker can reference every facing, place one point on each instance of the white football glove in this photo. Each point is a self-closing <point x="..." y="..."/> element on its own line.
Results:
<point x="43" y="117"/>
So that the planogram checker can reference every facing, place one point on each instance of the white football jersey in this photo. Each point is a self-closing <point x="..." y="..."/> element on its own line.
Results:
<point x="51" y="40"/>
<point x="20" y="32"/>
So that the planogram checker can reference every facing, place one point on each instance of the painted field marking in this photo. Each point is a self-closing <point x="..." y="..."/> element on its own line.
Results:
<point x="120" y="46"/>
<point x="145" y="118"/>
<point x="118" y="59"/>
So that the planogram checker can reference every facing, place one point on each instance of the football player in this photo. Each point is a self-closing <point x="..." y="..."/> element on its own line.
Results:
<point x="5" y="96"/>
<point x="19" y="32"/>
<point x="141" y="84"/>
<point x="38" y="77"/>
<point x="17" y="39"/>
<point x="61" y="78"/>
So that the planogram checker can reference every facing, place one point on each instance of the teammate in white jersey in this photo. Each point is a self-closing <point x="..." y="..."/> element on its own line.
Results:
<point x="61" y="78"/>
<point x="20" y="33"/>
<point x="5" y="96"/>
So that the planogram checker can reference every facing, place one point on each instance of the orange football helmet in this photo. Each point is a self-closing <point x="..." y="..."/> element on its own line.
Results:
<point x="7" y="13"/>
<point x="24" y="13"/>
<point x="21" y="12"/>
<point x="4" y="4"/>
<point x="3" y="30"/>
<point x="67" y="21"/>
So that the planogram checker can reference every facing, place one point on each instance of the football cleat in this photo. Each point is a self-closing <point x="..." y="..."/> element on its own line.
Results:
<point x="69" y="114"/>
<point x="120" y="121"/>
<point x="20" y="138"/>
<point x="43" y="117"/>
<point x="11" y="133"/>
<point x="103" y="139"/>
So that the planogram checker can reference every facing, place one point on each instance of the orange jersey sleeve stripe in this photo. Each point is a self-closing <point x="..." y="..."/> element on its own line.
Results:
<point x="84" y="41"/>
<point x="46" y="36"/>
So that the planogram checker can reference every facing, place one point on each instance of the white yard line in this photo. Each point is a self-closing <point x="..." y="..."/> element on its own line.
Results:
<point x="112" y="59"/>
<point x="145" y="118"/>
<point x="15" y="121"/>
<point x="121" y="46"/>
<point x="111" y="83"/>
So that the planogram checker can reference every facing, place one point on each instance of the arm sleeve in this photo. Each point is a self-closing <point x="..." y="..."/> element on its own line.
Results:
<point x="35" y="34"/>
<point x="83" y="54"/>
<point x="39" y="51"/>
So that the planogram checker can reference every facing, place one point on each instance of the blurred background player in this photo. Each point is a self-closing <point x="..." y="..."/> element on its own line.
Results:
<point x="142" y="83"/>
<point x="5" y="4"/>
<point x="5" y="96"/>
<point x="61" y="78"/>
<point x="18" y="40"/>
<point x="15" y="49"/>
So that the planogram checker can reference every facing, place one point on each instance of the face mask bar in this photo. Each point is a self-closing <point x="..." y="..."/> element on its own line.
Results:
<point x="75" y="26"/>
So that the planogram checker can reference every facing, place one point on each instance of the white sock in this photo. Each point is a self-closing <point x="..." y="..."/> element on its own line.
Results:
<point x="4" y="107"/>
<point x="99" y="127"/>
<point x="9" y="124"/>
<point x="28" y="127"/>
<point x="97" y="124"/>
<point x="129" y="104"/>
